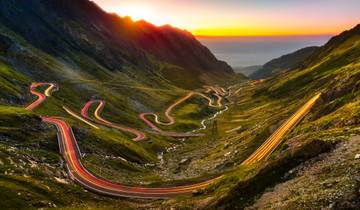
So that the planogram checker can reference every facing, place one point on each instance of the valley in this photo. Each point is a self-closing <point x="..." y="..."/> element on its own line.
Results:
<point x="101" y="112"/>
<point x="71" y="151"/>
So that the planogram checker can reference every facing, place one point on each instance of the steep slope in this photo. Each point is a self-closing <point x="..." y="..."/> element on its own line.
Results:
<point x="348" y="37"/>
<point x="90" y="54"/>
<point x="284" y="63"/>
<point x="335" y="72"/>
<point x="71" y="30"/>
<point x="180" y="48"/>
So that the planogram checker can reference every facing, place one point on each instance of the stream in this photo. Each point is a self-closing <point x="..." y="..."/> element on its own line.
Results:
<point x="203" y="122"/>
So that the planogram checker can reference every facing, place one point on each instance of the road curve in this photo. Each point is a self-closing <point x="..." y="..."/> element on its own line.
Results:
<point x="218" y="90"/>
<point x="171" y="119"/>
<point x="84" y="112"/>
<point x="168" y="111"/>
<point x="87" y="121"/>
<point x="41" y="96"/>
<point x="274" y="140"/>
<point x="71" y="153"/>
<point x="142" y="116"/>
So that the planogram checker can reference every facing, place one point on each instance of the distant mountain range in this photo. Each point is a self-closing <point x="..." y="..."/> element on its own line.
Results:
<point x="247" y="70"/>
<point x="283" y="63"/>
<point x="298" y="59"/>
<point x="135" y="68"/>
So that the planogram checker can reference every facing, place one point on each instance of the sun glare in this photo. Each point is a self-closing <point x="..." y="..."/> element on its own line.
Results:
<point x="140" y="12"/>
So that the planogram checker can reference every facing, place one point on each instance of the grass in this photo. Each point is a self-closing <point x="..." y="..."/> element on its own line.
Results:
<point x="260" y="109"/>
<point x="11" y="82"/>
<point x="109" y="153"/>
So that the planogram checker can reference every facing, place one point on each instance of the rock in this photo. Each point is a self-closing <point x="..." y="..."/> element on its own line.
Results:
<point x="184" y="161"/>
<point x="328" y="185"/>
<point x="227" y="154"/>
<point x="196" y="192"/>
<point x="62" y="181"/>
<point x="357" y="156"/>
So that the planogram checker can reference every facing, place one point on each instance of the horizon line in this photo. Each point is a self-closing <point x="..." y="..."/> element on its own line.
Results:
<point x="259" y="36"/>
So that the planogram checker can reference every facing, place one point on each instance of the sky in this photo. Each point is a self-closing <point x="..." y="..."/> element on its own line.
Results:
<point x="243" y="17"/>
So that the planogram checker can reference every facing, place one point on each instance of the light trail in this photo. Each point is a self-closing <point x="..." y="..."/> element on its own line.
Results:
<point x="264" y="151"/>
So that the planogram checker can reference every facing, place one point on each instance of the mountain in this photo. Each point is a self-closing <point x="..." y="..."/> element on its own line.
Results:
<point x="134" y="66"/>
<point x="247" y="70"/>
<point x="347" y="37"/>
<point x="295" y="174"/>
<point x="77" y="29"/>
<point x="137" y="68"/>
<point x="284" y="63"/>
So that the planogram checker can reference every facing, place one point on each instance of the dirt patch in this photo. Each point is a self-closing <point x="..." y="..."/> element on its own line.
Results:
<point x="329" y="181"/>
<point x="272" y="172"/>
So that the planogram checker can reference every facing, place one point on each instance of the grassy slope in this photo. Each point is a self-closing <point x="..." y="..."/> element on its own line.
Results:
<point x="109" y="153"/>
<point x="284" y="63"/>
<point x="335" y="118"/>
<point x="29" y="163"/>
<point x="257" y="109"/>
<point x="11" y="82"/>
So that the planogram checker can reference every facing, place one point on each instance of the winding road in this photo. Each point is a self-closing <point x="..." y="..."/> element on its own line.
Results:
<point x="264" y="151"/>
<point x="218" y="90"/>
<point x="168" y="111"/>
<point x="84" y="112"/>
<point x="143" y="116"/>
<point x="85" y="120"/>
<point x="171" y="119"/>
<point x="71" y="153"/>
<point x="41" y="96"/>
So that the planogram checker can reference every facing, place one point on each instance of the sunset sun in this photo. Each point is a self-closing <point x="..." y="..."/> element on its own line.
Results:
<point x="138" y="12"/>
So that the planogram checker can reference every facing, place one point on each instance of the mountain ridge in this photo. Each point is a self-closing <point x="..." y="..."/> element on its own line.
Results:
<point x="86" y="66"/>
<point x="284" y="63"/>
<point x="108" y="39"/>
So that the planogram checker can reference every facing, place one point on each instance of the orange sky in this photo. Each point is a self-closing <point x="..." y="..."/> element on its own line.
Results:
<point x="243" y="17"/>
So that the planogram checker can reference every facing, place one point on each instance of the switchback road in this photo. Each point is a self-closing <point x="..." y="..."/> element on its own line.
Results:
<point x="41" y="96"/>
<point x="84" y="112"/>
<point x="171" y="119"/>
<point x="71" y="153"/>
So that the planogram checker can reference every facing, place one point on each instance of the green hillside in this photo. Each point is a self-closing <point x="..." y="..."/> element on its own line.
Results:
<point x="335" y="72"/>
<point x="91" y="54"/>
<point x="284" y="63"/>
